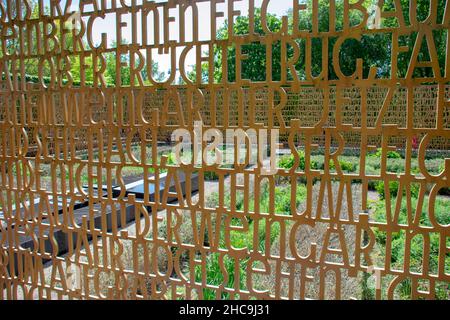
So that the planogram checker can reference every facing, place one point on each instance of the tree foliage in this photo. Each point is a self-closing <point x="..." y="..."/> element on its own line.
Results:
<point x="373" y="49"/>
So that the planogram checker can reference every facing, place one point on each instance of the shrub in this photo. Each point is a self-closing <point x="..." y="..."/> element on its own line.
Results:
<point x="395" y="165"/>
<point x="390" y="154"/>
<point x="282" y="198"/>
<point x="287" y="162"/>
<point x="373" y="162"/>
<point x="345" y="165"/>
<point x="317" y="162"/>
<point x="210" y="175"/>
<point x="372" y="185"/>
<point x="435" y="166"/>
<point x="171" y="160"/>
<point x="442" y="166"/>
<point x="393" y="189"/>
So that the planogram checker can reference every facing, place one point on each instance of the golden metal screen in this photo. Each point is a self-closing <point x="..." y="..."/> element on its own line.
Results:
<point x="93" y="204"/>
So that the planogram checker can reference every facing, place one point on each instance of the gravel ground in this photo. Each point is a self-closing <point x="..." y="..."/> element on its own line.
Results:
<point x="211" y="187"/>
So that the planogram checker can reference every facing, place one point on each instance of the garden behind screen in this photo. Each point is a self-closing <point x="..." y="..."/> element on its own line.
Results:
<point x="354" y="93"/>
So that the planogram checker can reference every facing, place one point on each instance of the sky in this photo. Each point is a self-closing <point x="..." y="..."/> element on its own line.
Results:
<point x="108" y="25"/>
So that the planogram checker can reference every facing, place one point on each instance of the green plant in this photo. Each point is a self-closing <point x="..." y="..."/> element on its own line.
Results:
<point x="395" y="165"/>
<point x="389" y="155"/>
<point x="367" y="291"/>
<point x="345" y="165"/>
<point x="441" y="209"/>
<point x="442" y="166"/>
<point x="171" y="159"/>
<point x="393" y="189"/>
<point x="214" y="273"/>
<point x="211" y="175"/>
<point x="287" y="161"/>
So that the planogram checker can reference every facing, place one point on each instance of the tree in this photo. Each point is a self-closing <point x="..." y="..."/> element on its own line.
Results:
<point x="373" y="49"/>
<point x="111" y="64"/>
<point x="370" y="48"/>
<point x="439" y="36"/>
<point x="254" y="68"/>
<point x="31" y="67"/>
